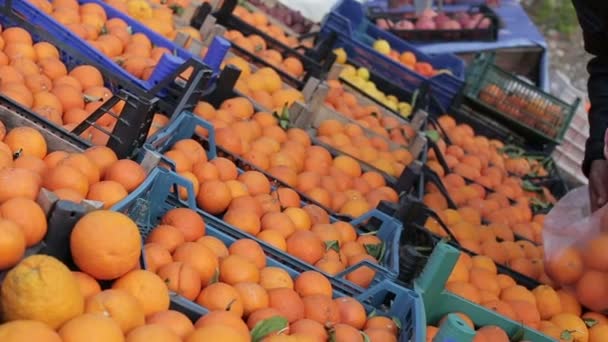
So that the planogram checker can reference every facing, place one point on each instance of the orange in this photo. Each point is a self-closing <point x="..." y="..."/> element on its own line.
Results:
<point x="310" y="328"/>
<point x="547" y="301"/>
<point x="382" y="322"/>
<point x="91" y="327"/>
<point x="105" y="244"/>
<point x="321" y="308"/>
<point x="491" y="333"/>
<point x="126" y="172"/>
<point x="224" y="318"/>
<point x="221" y="296"/>
<point x="152" y="333"/>
<point x="351" y="312"/>
<point x="236" y="269"/>
<point x="41" y="288"/>
<point x="88" y="285"/>
<point x="27" y="141"/>
<point x="593" y="255"/>
<point x="287" y="302"/>
<point x="166" y="236"/>
<point x="569" y="302"/>
<point x="484" y="280"/>
<point x="12" y="242"/>
<point x="526" y="313"/>
<point x="174" y="320"/>
<point x="254" y="296"/>
<point x="311" y="283"/>
<point x="464" y="290"/>
<point x="273" y="238"/>
<point x="566" y="267"/>
<point x="591" y="290"/>
<point x="148" y="288"/>
<point x="88" y="76"/>
<point x="201" y="258"/>
<point x="213" y="196"/>
<point x="274" y="278"/>
<point x="362" y="276"/>
<point x="107" y="192"/>
<point x="380" y="335"/>
<point x="181" y="278"/>
<point x="306" y="246"/>
<point x="299" y="217"/>
<point x="247" y="221"/>
<point x="28" y="330"/>
<point x="119" y="305"/>
<point x="156" y="256"/>
<point x="575" y="325"/>
<point x="595" y="318"/>
<point x="65" y="176"/>
<point x="518" y="293"/>
<point x="215" y="245"/>
<point x="187" y="221"/>
<point x="250" y="250"/>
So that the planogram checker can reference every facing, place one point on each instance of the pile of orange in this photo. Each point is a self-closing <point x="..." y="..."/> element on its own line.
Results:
<point x="488" y="333"/>
<point x="112" y="37"/>
<point x="337" y="183"/>
<point x="368" y="116"/>
<point x="257" y="46"/>
<point x="26" y="167"/>
<point x="235" y="283"/>
<point x="583" y="268"/>
<point x="277" y="216"/>
<point x="264" y="86"/>
<point x="409" y="60"/>
<point x="351" y="139"/>
<point x="35" y="77"/>
<point x="555" y="313"/>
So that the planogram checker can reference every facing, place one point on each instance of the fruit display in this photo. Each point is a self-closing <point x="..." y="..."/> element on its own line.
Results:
<point x="264" y="86"/>
<point x="290" y="18"/>
<point x="360" y="79"/>
<point x="336" y="182"/>
<point x="430" y="20"/>
<point x="558" y="314"/>
<point x="406" y="58"/>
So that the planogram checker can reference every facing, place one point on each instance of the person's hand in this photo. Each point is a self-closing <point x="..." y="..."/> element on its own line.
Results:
<point x="598" y="184"/>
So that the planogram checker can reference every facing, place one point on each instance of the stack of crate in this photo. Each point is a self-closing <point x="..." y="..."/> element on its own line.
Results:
<point x="569" y="155"/>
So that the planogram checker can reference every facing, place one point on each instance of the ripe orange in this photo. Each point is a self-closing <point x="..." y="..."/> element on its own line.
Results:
<point x="187" y="221"/>
<point x="305" y="245"/>
<point x="12" y="243"/>
<point x="105" y="244"/>
<point x="126" y="172"/>
<point x="91" y="327"/>
<point x="152" y="333"/>
<point x="287" y="302"/>
<point x="88" y="285"/>
<point x="28" y="330"/>
<point x="312" y="283"/>
<point x="174" y="320"/>
<point x="250" y="250"/>
<point x="321" y="308"/>
<point x="274" y="278"/>
<point x="119" y="305"/>
<point x="221" y="296"/>
<point x="224" y="318"/>
<point x="201" y="258"/>
<point x="181" y="278"/>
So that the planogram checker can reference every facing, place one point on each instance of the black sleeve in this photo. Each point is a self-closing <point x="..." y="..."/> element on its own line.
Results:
<point x="592" y="18"/>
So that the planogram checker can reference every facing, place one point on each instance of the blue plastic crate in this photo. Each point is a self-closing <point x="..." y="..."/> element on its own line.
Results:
<point x="356" y="34"/>
<point x="388" y="229"/>
<point x="165" y="66"/>
<point x="151" y="200"/>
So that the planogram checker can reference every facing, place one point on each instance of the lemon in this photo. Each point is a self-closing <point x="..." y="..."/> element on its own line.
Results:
<point x="392" y="98"/>
<point x="340" y="55"/>
<point x="382" y="46"/>
<point x="363" y="73"/>
<point x="370" y="85"/>
<point x="405" y="109"/>
<point x="391" y="105"/>
<point x="348" y="71"/>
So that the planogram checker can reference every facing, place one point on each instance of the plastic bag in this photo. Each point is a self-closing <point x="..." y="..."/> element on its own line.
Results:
<point x="576" y="248"/>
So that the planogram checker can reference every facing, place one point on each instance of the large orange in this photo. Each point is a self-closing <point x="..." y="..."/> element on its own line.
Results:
<point x="105" y="244"/>
<point x="201" y="258"/>
<point x="187" y="221"/>
<point x="65" y="176"/>
<point x="566" y="267"/>
<point x="181" y="278"/>
<point x="364" y="275"/>
<point x="26" y="141"/>
<point x="221" y="296"/>
<point x="91" y="327"/>
<point x="148" y="288"/>
<point x="288" y="302"/>
<point x="119" y="305"/>
<point x="26" y="330"/>
<point x="591" y="290"/>
<point x="174" y="320"/>
<point x="41" y="288"/>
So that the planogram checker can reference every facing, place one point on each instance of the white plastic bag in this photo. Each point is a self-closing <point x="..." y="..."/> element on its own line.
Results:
<point x="576" y="248"/>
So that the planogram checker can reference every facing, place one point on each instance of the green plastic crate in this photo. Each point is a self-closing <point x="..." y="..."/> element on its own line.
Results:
<point x="533" y="113"/>
<point x="438" y="302"/>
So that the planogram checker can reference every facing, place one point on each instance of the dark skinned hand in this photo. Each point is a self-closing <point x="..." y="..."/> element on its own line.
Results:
<point x="598" y="184"/>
